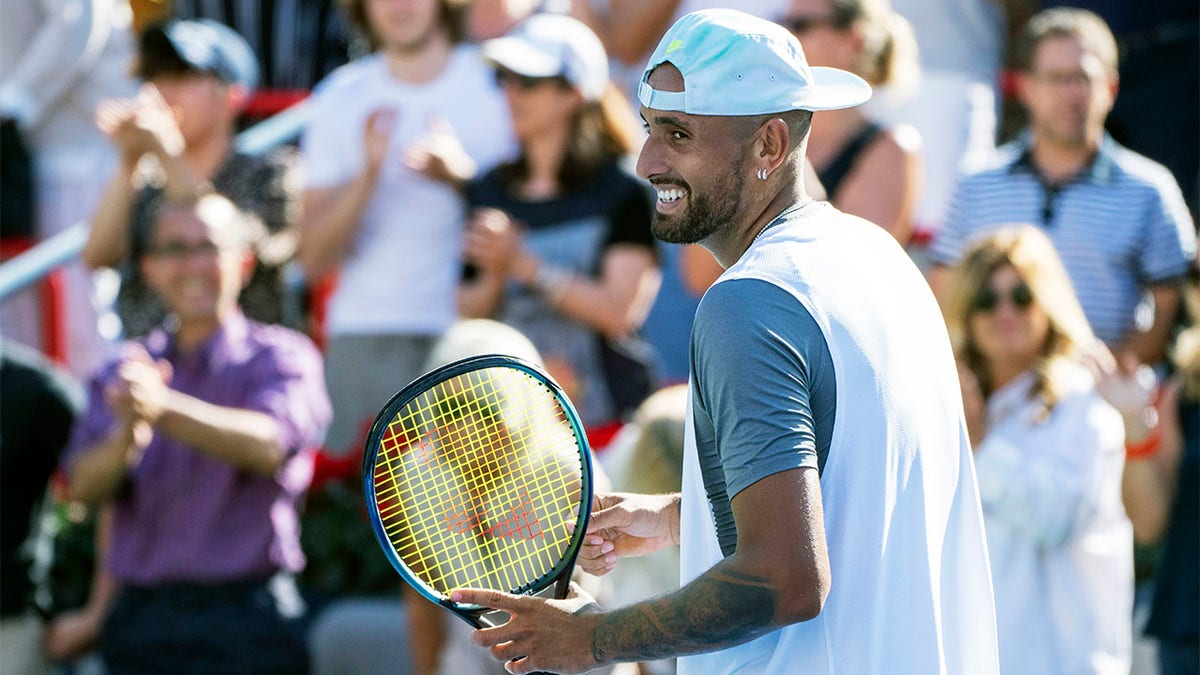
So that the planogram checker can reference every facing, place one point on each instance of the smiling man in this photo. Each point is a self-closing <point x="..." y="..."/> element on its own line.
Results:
<point x="829" y="520"/>
<point x="198" y="437"/>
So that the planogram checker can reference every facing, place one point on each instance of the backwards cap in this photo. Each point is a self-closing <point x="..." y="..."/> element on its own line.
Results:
<point x="736" y="64"/>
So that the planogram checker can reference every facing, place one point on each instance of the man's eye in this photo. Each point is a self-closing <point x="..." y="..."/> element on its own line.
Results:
<point x="678" y="135"/>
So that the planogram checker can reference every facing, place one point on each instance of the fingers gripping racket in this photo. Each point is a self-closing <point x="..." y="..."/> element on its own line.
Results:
<point x="473" y="475"/>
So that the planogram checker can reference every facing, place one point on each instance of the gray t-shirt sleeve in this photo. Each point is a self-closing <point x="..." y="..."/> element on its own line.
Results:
<point x="764" y="390"/>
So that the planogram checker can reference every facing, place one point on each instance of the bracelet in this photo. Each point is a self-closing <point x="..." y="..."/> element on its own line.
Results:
<point x="1146" y="447"/>
<point x="551" y="283"/>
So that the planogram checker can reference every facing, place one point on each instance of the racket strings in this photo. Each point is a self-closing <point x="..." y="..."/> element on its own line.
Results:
<point x="476" y="480"/>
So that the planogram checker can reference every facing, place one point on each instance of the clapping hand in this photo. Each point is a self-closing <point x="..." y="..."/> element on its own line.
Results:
<point x="440" y="155"/>
<point x="141" y="125"/>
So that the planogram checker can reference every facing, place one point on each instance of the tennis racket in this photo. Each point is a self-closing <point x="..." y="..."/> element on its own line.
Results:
<point x="473" y="474"/>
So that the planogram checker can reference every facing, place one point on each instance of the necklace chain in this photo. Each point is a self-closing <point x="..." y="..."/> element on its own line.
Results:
<point x="779" y="218"/>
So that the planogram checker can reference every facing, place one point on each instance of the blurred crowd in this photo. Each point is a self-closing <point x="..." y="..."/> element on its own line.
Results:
<point x="184" y="406"/>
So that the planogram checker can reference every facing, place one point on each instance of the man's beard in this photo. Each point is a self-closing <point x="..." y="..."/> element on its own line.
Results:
<point x="704" y="214"/>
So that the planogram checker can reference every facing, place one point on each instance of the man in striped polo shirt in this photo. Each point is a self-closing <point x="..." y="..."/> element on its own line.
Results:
<point x="1118" y="219"/>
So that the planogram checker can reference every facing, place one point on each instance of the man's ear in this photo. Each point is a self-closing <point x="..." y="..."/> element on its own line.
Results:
<point x="236" y="98"/>
<point x="1022" y="82"/>
<point x="771" y="146"/>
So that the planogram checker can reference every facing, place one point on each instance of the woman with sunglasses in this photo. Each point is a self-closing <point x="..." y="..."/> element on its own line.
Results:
<point x="1049" y="454"/>
<point x="558" y="244"/>
<point x="866" y="169"/>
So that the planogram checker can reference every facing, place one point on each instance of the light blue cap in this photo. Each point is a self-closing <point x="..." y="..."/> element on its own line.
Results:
<point x="737" y="64"/>
<point x="212" y="47"/>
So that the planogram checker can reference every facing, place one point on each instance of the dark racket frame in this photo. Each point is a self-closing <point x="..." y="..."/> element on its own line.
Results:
<point x="525" y="578"/>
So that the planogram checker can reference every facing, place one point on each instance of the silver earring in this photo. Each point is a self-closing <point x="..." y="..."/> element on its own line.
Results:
<point x="762" y="174"/>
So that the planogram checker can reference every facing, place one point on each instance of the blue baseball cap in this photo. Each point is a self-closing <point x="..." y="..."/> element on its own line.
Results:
<point x="735" y="64"/>
<point x="209" y="47"/>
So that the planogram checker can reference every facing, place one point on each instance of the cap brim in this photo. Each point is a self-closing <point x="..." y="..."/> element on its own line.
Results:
<point x="520" y="57"/>
<point x="834" y="88"/>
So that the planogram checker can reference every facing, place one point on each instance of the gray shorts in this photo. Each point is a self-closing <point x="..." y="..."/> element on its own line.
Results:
<point x="362" y="372"/>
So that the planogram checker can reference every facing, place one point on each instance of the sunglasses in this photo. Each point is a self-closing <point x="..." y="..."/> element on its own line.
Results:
<point x="505" y="77"/>
<point x="802" y="23"/>
<point x="988" y="299"/>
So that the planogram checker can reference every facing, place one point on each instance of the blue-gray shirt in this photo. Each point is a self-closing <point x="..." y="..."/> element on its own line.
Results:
<point x="1119" y="227"/>
<point x="763" y="391"/>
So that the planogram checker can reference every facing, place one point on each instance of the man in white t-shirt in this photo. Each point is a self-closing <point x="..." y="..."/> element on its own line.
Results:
<point x="392" y="137"/>
<point x="829" y="520"/>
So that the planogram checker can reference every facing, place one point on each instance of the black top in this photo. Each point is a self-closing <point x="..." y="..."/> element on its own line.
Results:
<point x="39" y="404"/>
<point x="837" y="170"/>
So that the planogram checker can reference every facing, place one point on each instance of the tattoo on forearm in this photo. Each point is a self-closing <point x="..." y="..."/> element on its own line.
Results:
<point x="718" y="610"/>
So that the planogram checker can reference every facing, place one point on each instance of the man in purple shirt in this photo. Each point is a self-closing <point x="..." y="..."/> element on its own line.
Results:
<point x="199" y="436"/>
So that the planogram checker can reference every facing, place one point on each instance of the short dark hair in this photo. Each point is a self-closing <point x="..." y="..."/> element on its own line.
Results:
<point x="1087" y="27"/>
<point x="451" y="13"/>
<point x="798" y="123"/>
<point x="157" y="56"/>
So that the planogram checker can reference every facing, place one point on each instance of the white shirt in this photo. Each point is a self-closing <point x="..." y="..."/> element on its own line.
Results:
<point x="1061" y="546"/>
<point x="910" y="587"/>
<point x="58" y="60"/>
<point x="403" y="271"/>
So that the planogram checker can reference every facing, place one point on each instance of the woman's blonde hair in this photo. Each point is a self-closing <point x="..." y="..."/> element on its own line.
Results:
<point x="889" y="54"/>
<point x="1027" y="250"/>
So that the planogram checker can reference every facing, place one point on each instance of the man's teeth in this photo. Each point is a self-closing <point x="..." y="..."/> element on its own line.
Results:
<point x="670" y="195"/>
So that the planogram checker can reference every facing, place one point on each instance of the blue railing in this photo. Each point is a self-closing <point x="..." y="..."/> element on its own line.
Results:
<point x="37" y="262"/>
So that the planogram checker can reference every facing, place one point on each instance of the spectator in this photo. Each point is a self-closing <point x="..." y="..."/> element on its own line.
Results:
<point x="58" y="60"/>
<point x="393" y="135"/>
<point x="40" y="403"/>
<point x="1049" y="457"/>
<point x="867" y="170"/>
<point x="200" y="439"/>
<point x="1161" y="484"/>
<point x="1159" y="46"/>
<point x="176" y="140"/>
<point x="1118" y="220"/>
<point x="560" y="237"/>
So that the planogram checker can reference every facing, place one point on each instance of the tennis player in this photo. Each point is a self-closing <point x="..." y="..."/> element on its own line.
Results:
<point x="829" y="520"/>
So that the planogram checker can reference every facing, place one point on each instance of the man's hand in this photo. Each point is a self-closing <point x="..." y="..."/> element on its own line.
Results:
<point x="625" y="525"/>
<point x="141" y="125"/>
<point x="140" y="390"/>
<point x="541" y="635"/>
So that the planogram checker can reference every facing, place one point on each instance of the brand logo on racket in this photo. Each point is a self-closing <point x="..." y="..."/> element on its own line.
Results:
<point x="521" y="522"/>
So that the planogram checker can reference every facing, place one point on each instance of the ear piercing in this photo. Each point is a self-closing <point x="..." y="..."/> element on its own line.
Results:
<point x="762" y="174"/>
